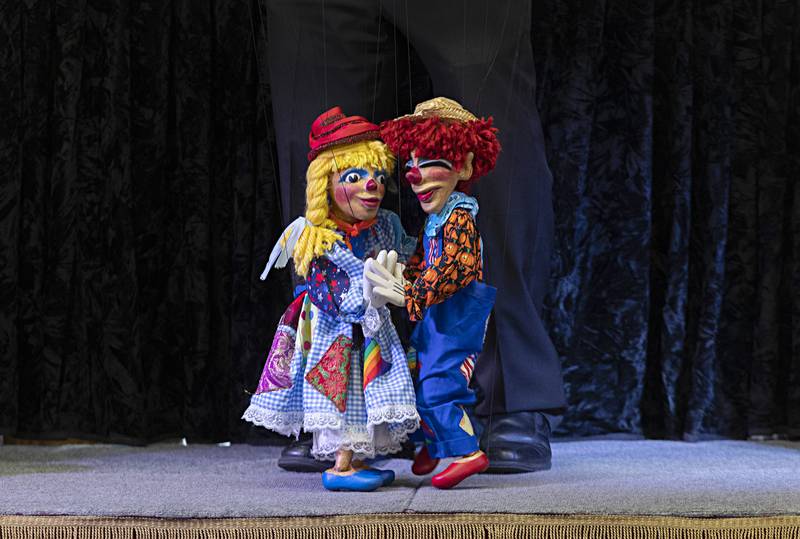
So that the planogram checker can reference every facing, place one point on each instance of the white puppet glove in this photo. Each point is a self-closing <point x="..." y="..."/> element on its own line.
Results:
<point x="385" y="278"/>
<point x="388" y="261"/>
<point x="372" y="317"/>
<point x="366" y="287"/>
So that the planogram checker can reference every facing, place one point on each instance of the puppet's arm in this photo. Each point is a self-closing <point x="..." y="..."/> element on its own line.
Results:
<point x="457" y="267"/>
<point x="401" y="242"/>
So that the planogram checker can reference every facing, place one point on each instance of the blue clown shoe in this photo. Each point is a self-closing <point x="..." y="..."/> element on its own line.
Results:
<point x="387" y="476"/>
<point x="360" y="481"/>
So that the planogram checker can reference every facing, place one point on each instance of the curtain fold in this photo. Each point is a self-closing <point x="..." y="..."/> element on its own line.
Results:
<point x="138" y="204"/>
<point x="139" y="201"/>
<point x="672" y="133"/>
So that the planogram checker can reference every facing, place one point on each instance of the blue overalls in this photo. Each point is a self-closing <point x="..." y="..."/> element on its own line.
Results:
<point x="447" y="341"/>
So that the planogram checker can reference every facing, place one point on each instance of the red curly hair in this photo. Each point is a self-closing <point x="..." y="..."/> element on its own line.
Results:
<point x="436" y="137"/>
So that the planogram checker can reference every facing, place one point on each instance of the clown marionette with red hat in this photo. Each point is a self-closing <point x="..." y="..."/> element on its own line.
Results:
<point x="445" y="149"/>
<point x="336" y="367"/>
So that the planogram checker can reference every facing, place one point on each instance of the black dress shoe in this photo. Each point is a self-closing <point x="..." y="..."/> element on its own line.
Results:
<point x="518" y="442"/>
<point x="296" y="457"/>
<point x="407" y="451"/>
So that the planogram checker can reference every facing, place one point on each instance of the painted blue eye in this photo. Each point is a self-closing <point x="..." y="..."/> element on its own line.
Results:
<point x="352" y="177"/>
<point x="409" y="164"/>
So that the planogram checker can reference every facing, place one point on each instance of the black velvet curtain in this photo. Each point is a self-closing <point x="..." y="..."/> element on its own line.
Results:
<point x="138" y="203"/>
<point x="673" y="132"/>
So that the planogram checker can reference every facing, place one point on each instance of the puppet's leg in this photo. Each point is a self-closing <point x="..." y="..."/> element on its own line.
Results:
<point x="343" y="460"/>
<point x="442" y="395"/>
<point x="447" y="341"/>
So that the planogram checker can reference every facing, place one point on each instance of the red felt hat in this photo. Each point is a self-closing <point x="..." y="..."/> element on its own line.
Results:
<point x="333" y="128"/>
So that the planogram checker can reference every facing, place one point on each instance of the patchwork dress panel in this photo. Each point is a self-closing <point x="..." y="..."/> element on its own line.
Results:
<point x="372" y="420"/>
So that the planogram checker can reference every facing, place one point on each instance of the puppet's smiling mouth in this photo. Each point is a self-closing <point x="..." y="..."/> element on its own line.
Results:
<point x="370" y="202"/>
<point x="426" y="196"/>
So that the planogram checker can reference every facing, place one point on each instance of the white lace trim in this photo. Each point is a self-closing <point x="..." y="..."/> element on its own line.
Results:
<point x="286" y="423"/>
<point x="365" y="443"/>
<point x="322" y="420"/>
<point x="403" y="419"/>
<point x="361" y="450"/>
<point x="395" y="423"/>
<point x="386" y="430"/>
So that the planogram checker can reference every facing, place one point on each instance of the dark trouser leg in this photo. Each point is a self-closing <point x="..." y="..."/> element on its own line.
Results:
<point x="316" y="62"/>
<point x="479" y="53"/>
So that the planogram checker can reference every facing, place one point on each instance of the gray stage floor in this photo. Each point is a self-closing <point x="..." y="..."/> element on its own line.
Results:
<point x="724" y="478"/>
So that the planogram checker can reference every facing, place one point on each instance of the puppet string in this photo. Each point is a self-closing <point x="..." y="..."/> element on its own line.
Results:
<point x="262" y="103"/>
<point x="511" y="178"/>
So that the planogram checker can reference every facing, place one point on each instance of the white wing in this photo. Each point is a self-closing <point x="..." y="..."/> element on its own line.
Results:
<point x="281" y="254"/>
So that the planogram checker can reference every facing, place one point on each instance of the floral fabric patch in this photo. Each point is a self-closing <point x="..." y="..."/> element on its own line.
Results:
<point x="276" y="373"/>
<point x="331" y="374"/>
<point x="277" y="368"/>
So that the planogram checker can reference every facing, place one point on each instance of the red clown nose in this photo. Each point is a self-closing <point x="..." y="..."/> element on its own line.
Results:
<point x="414" y="176"/>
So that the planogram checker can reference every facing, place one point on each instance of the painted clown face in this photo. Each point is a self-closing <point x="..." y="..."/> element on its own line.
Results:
<point x="356" y="193"/>
<point x="433" y="180"/>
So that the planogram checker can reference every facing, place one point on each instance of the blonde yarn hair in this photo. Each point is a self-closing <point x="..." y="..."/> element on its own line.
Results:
<point x="321" y="235"/>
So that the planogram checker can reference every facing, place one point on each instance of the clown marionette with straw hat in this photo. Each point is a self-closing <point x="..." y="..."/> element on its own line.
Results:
<point x="445" y="149"/>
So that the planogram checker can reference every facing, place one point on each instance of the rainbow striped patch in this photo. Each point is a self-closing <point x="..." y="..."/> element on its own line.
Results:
<point x="374" y="365"/>
<point x="412" y="361"/>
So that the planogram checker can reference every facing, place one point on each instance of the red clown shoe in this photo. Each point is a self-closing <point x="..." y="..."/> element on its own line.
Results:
<point x="460" y="470"/>
<point x="423" y="462"/>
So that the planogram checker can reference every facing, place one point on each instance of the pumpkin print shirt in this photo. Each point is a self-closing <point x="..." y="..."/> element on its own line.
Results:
<point x="447" y="257"/>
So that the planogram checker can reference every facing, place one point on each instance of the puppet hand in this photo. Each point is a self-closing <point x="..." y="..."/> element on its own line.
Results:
<point x="389" y="261"/>
<point x="399" y="269"/>
<point x="385" y="284"/>
<point x="367" y="287"/>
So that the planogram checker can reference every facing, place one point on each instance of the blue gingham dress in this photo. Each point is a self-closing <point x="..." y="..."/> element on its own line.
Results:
<point x="377" y="419"/>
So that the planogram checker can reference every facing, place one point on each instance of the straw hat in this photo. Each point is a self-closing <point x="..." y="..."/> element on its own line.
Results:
<point x="441" y="107"/>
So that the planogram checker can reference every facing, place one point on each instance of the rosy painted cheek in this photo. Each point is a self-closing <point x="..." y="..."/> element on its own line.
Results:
<point x="439" y="174"/>
<point x="344" y="194"/>
<point x="444" y="179"/>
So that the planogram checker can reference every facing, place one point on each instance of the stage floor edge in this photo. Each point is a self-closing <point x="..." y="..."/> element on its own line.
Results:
<point x="406" y="525"/>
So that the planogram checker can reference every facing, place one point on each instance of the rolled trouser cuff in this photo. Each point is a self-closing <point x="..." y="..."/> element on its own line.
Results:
<point x="457" y="447"/>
